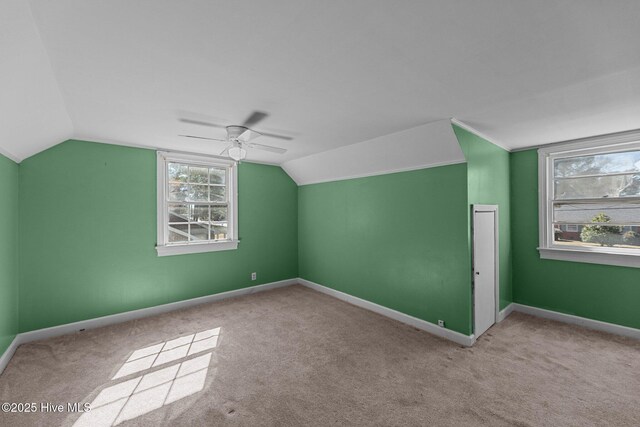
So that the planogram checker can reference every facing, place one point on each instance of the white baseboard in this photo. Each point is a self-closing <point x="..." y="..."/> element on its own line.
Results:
<point x="457" y="337"/>
<point x="99" y="322"/>
<point x="577" y="320"/>
<point x="8" y="354"/>
<point x="505" y="312"/>
<point x="465" y="340"/>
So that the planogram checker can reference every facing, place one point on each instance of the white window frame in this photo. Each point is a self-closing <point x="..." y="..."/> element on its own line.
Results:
<point x="162" y="246"/>
<point x="623" y="141"/>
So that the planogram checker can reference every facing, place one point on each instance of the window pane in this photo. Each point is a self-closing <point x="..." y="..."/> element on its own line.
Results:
<point x="601" y="164"/>
<point x="178" y="172"/>
<point x="584" y="213"/>
<point x="201" y="214"/>
<point x="198" y="174"/>
<point x="178" y="233"/>
<point x="596" y="187"/>
<point x="176" y="238"/>
<point x="597" y="236"/>
<point x="198" y="193"/>
<point x="218" y="213"/>
<point x="178" y="213"/>
<point x="217" y="176"/>
<point x="199" y="232"/>
<point x="218" y="194"/>
<point x="178" y="192"/>
<point x="192" y="192"/>
<point x="219" y="232"/>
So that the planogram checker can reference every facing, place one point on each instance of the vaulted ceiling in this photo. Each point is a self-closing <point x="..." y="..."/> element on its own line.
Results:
<point x="330" y="74"/>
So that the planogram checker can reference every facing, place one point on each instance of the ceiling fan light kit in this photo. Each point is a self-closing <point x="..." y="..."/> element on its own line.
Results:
<point x="238" y="136"/>
<point x="237" y="153"/>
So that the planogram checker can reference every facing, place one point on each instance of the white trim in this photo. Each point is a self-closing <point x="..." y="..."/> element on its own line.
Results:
<point x="504" y="313"/>
<point x="588" y="142"/>
<point x="203" y="159"/>
<point x="577" y="320"/>
<point x="383" y="172"/>
<point x="543" y="206"/>
<point x="473" y="130"/>
<point x="163" y="249"/>
<point x="496" y="256"/>
<point x="582" y="147"/>
<point x="550" y="145"/>
<point x="10" y="156"/>
<point x="161" y="179"/>
<point x="590" y="257"/>
<point x="197" y="248"/>
<point x="8" y="353"/>
<point x="146" y="312"/>
<point x="100" y="322"/>
<point x="595" y="145"/>
<point x="457" y="337"/>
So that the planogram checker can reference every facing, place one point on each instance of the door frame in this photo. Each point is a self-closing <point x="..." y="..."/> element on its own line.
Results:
<point x="475" y="208"/>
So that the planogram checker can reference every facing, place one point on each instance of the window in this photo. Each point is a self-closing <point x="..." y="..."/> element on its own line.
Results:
<point x="590" y="200"/>
<point x="197" y="204"/>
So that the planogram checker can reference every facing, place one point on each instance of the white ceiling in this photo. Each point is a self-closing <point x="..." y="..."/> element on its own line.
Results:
<point x="32" y="112"/>
<point x="329" y="74"/>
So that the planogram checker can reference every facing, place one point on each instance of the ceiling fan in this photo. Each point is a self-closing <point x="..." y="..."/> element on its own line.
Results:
<point x="239" y="137"/>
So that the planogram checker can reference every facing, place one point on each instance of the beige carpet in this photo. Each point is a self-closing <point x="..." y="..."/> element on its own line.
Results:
<point x="292" y="356"/>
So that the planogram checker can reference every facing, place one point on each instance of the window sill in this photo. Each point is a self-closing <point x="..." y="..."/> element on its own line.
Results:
<point x="602" y="256"/>
<point x="196" y="248"/>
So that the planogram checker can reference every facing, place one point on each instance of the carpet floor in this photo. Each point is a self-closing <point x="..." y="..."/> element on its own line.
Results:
<point x="293" y="356"/>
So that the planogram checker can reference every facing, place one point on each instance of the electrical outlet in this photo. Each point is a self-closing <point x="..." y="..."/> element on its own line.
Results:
<point x="254" y="276"/>
<point x="441" y="323"/>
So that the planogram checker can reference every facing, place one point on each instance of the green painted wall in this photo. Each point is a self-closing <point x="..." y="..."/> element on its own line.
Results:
<point x="398" y="240"/>
<point x="488" y="184"/>
<point x="88" y="231"/>
<point x="600" y="292"/>
<point x="8" y="252"/>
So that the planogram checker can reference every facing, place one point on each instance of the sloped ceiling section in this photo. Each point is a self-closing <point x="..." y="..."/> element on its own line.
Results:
<point x="430" y="145"/>
<point x="602" y="105"/>
<point x="32" y="112"/>
<point x="330" y="74"/>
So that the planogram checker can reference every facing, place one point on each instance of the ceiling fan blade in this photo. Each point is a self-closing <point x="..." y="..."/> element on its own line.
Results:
<point x="273" y="135"/>
<point x="255" y="117"/>
<point x="248" y="135"/>
<point x="202" y="137"/>
<point x="201" y="123"/>
<point x="269" y="148"/>
<point x="225" y="150"/>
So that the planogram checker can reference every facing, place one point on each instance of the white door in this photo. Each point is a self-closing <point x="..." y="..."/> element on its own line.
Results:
<point x="484" y="268"/>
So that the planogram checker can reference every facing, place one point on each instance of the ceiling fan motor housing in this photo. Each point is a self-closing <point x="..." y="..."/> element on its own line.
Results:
<point x="241" y="133"/>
